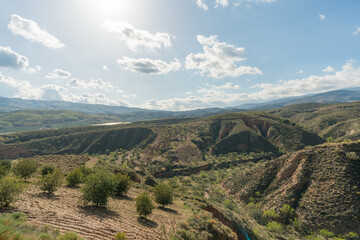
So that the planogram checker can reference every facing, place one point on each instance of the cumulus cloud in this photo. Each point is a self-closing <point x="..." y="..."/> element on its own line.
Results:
<point x="95" y="99"/>
<point x="104" y="67"/>
<point x="328" y="69"/>
<point x="11" y="59"/>
<point x="201" y="4"/>
<point x="33" y="70"/>
<point x="10" y="87"/>
<point x="221" y="3"/>
<point x="137" y="39"/>
<point x="322" y="17"/>
<point x="58" y="73"/>
<point x="148" y="66"/>
<point x="96" y="84"/>
<point x="219" y="59"/>
<point x="52" y="92"/>
<point x="357" y="31"/>
<point x="348" y="76"/>
<point x="31" y="31"/>
<point x="225" y="95"/>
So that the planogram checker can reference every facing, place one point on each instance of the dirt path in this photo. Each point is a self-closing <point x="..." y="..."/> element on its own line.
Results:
<point x="64" y="212"/>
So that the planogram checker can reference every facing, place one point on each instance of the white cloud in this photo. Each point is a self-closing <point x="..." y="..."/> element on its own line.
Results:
<point x="104" y="67"/>
<point x="52" y="92"/>
<point x="227" y="85"/>
<point x="348" y="76"/>
<point x="58" y="73"/>
<point x="218" y="59"/>
<point x="10" y="87"/>
<point x="357" y="31"/>
<point x="201" y="4"/>
<point x="300" y="71"/>
<point x="95" y="99"/>
<point x="33" y="70"/>
<point x="96" y="84"/>
<point x="148" y="66"/>
<point x="322" y="17"/>
<point x="221" y="3"/>
<point x="11" y="59"/>
<point x="31" y="31"/>
<point x="137" y="39"/>
<point x="219" y="96"/>
<point x="328" y="69"/>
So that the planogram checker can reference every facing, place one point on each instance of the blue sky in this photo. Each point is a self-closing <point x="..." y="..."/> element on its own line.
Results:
<point x="177" y="55"/>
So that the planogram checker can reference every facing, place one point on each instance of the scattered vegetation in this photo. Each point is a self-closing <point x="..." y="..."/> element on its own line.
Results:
<point x="51" y="181"/>
<point x="123" y="184"/>
<point x="10" y="189"/>
<point x="163" y="194"/>
<point x="24" y="168"/>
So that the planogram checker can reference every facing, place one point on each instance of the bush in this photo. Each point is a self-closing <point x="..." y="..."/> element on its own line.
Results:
<point x="5" y="166"/>
<point x="275" y="227"/>
<point x="25" y="168"/>
<point x="46" y="169"/>
<point x="10" y="189"/>
<point x="255" y="211"/>
<point x="326" y="233"/>
<point x="144" y="205"/>
<point x="85" y="171"/>
<point x="50" y="182"/>
<point x="98" y="187"/>
<point x="163" y="194"/>
<point x="123" y="184"/>
<point x="69" y="236"/>
<point x="270" y="215"/>
<point x="121" y="236"/>
<point x="75" y="177"/>
<point x="351" y="236"/>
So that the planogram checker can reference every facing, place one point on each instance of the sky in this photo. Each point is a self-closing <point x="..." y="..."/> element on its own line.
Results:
<point x="177" y="54"/>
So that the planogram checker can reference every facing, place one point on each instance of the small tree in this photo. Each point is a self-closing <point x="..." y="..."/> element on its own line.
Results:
<point x="10" y="189"/>
<point x="98" y="187"/>
<point x="5" y="166"/>
<point x="123" y="184"/>
<point x="74" y="177"/>
<point x="163" y="194"/>
<point x="46" y="169"/>
<point x="51" y="182"/>
<point x="144" y="205"/>
<point x="25" y="168"/>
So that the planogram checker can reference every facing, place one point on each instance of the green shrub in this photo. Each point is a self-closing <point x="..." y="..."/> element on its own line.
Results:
<point x="74" y="177"/>
<point x="163" y="194"/>
<point x="326" y="233"/>
<point x="25" y="168"/>
<point x="51" y="182"/>
<point x="121" y="236"/>
<point x="230" y="205"/>
<point x="98" y="187"/>
<point x="69" y="236"/>
<point x="5" y="166"/>
<point x="351" y="236"/>
<point x="270" y="215"/>
<point x="45" y="236"/>
<point x="123" y="184"/>
<point x="275" y="227"/>
<point x="46" y="169"/>
<point x="286" y="212"/>
<point x="10" y="189"/>
<point x="144" y="205"/>
<point x="85" y="171"/>
<point x="255" y="211"/>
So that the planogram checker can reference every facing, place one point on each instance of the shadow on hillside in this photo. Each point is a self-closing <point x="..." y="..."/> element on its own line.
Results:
<point x="147" y="222"/>
<point x="169" y="210"/>
<point x="120" y="197"/>
<point x="45" y="195"/>
<point x="100" y="212"/>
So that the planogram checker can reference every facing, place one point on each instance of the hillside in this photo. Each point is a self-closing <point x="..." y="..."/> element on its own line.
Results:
<point x="27" y="120"/>
<point x="170" y="143"/>
<point x="338" y="121"/>
<point x="321" y="183"/>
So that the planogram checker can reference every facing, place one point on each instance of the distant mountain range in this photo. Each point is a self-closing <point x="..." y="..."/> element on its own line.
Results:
<point x="129" y="114"/>
<point x="337" y="96"/>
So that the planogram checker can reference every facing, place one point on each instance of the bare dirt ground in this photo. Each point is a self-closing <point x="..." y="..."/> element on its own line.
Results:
<point x="65" y="212"/>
